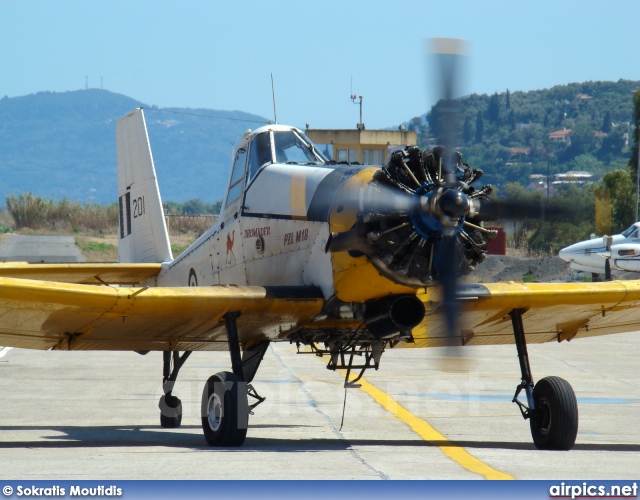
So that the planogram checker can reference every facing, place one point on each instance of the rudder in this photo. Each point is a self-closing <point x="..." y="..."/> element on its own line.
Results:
<point x="142" y="232"/>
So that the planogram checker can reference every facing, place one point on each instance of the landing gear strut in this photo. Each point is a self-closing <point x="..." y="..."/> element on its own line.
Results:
<point x="552" y="408"/>
<point x="225" y="407"/>
<point x="170" y="405"/>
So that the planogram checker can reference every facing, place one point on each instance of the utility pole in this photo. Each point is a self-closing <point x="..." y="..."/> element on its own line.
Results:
<point x="637" y="179"/>
<point x="548" y="167"/>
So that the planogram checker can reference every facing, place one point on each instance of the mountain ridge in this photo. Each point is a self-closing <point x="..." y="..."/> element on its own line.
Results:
<point x="62" y="145"/>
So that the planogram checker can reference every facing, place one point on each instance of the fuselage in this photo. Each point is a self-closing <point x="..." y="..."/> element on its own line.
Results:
<point x="284" y="200"/>
<point x="291" y="218"/>
<point x="590" y="255"/>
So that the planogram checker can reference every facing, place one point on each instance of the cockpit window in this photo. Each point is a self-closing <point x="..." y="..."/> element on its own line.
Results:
<point x="260" y="153"/>
<point x="237" y="174"/>
<point x="630" y="233"/>
<point x="291" y="148"/>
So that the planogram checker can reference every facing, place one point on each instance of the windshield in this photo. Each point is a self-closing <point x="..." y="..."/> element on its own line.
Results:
<point x="291" y="148"/>
<point x="260" y="153"/>
<point x="629" y="232"/>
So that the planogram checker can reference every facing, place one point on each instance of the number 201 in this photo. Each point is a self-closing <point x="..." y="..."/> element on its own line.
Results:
<point x="138" y="207"/>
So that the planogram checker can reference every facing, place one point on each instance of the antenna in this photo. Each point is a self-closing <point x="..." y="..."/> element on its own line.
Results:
<point x="273" y="96"/>
<point x="353" y="99"/>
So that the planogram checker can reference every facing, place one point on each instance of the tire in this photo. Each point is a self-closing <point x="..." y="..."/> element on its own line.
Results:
<point x="170" y="412"/>
<point x="554" y="423"/>
<point x="170" y="422"/>
<point x="225" y="410"/>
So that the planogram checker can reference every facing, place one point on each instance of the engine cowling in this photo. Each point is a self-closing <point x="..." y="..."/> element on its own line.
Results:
<point x="405" y="212"/>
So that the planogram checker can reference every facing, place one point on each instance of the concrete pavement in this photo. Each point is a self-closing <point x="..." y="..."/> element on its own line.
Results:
<point x="35" y="248"/>
<point x="93" y="415"/>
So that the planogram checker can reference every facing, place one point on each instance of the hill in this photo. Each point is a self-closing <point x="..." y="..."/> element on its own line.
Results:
<point x="511" y="135"/>
<point x="62" y="145"/>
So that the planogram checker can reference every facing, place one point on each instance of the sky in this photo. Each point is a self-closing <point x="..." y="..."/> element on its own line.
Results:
<point x="221" y="54"/>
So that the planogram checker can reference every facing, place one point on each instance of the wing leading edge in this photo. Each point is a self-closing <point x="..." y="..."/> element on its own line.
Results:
<point x="551" y="312"/>
<point x="88" y="274"/>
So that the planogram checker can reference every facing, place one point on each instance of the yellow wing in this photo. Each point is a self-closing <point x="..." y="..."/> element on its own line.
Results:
<point x="551" y="312"/>
<point x="51" y="315"/>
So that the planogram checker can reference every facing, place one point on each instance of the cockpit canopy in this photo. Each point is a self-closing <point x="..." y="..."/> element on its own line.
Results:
<point x="632" y="232"/>
<point x="267" y="145"/>
<point x="282" y="146"/>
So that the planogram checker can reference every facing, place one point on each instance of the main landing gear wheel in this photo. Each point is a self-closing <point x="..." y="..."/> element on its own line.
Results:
<point x="554" y="422"/>
<point x="170" y="412"/>
<point x="225" y="410"/>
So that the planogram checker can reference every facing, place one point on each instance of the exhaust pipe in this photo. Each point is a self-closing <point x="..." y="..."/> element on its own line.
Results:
<point x="354" y="240"/>
<point x="395" y="314"/>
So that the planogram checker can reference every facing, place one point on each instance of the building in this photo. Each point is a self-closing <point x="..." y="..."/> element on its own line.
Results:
<point x="368" y="147"/>
<point x="560" y="135"/>
<point x="573" y="177"/>
<point x="538" y="182"/>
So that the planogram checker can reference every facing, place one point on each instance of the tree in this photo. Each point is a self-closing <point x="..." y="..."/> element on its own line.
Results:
<point x="415" y="123"/>
<point x="493" y="111"/>
<point x="621" y="189"/>
<point x="607" y="126"/>
<point x="586" y="163"/>
<point x="633" y="161"/>
<point x="582" y="140"/>
<point x="611" y="145"/>
<point x="193" y="207"/>
<point x="508" y="105"/>
<point x="479" y="127"/>
<point x="512" y="120"/>
<point x="574" y="222"/>
<point x="467" y="131"/>
<point x="442" y="111"/>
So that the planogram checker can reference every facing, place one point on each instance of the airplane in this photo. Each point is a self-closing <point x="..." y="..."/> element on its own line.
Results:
<point x="606" y="255"/>
<point x="344" y="260"/>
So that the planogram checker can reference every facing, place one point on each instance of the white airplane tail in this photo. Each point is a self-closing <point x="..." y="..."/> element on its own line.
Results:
<point x="142" y="231"/>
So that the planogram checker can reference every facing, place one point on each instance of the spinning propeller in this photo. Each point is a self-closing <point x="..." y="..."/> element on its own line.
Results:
<point x="419" y="219"/>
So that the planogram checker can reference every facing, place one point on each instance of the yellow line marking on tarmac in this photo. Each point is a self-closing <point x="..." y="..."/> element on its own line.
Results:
<point x="421" y="427"/>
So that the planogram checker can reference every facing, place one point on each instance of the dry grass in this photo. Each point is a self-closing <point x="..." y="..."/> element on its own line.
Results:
<point x="95" y="227"/>
<point x="189" y="224"/>
<point x="35" y="212"/>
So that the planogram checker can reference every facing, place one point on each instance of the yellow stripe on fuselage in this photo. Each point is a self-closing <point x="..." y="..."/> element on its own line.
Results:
<point x="297" y="193"/>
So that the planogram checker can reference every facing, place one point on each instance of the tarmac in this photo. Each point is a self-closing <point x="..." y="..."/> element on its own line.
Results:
<point x="35" y="248"/>
<point x="94" y="415"/>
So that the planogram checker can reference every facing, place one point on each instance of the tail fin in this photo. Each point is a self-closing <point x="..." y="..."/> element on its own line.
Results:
<point x="143" y="233"/>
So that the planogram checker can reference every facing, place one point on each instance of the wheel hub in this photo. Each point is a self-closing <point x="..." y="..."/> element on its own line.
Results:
<point x="214" y="412"/>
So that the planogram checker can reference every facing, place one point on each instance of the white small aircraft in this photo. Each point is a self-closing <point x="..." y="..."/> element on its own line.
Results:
<point x="606" y="255"/>
<point x="343" y="260"/>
